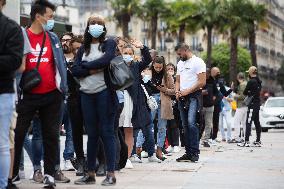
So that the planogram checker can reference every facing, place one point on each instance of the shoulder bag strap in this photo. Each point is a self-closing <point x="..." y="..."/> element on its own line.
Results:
<point x="42" y="47"/>
<point x="41" y="50"/>
<point x="145" y="91"/>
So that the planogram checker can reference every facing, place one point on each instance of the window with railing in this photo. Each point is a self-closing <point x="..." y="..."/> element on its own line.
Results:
<point x="194" y="43"/>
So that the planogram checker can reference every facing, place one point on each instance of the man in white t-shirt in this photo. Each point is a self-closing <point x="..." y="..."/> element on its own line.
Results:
<point x="191" y="77"/>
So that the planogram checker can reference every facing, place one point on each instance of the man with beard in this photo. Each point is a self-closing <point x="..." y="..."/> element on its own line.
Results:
<point x="219" y="81"/>
<point x="68" y="153"/>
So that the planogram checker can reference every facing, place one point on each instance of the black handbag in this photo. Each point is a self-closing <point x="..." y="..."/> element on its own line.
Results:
<point x="248" y="100"/>
<point x="31" y="79"/>
<point x="119" y="73"/>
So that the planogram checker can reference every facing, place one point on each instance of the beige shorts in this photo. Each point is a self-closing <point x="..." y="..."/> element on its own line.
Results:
<point x="12" y="128"/>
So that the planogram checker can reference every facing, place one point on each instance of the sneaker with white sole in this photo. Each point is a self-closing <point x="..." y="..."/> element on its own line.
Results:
<point x="213" y="143"/>
<point x="135" y="159"/>
<point x="154" y="159"/>
<point x="176" y="149"/>
<point x="144" y="154"/>
<point x="128" y="165"/>
<point x="68" y="166"/>
<point x="16" y="180"/>
<point x="257" y="143"/>
<point x="170" y="149"/>
<point x="48" y="182"/>
<point x="244" y="144"/>
<point x="22" y="174"/>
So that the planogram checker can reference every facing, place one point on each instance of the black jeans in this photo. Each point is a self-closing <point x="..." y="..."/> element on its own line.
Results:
<point x="253" y="116"/>
<point x="49" y="107"/>
<point x="173" y="133"/>
<point x="77" y="123"/>
<point x="216" y="114"/>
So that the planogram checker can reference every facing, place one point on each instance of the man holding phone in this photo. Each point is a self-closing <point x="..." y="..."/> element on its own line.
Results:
<point x="191" y="77"/>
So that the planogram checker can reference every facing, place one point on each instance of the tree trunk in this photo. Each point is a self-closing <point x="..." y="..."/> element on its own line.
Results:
<point x="124" y="21"/>
<point x="181" y="35"/>
<point x="234" y="58"/>
<point x="209" y="47"/>
<point x="252" y="47"/>
<point x="154" y="23"/>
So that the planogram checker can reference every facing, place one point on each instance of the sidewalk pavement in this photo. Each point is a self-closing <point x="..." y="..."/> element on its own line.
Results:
<point x="224" y="166"/>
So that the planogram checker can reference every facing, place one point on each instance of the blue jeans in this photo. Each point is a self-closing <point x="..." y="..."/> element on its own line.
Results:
<point x="191" y="131"/>
<point x="162" y="123"/>
<point x="140" y="139"/>
<point x="7" y="106"/>
<point x="148" y="133"/>
<point x="69" y="148"/>
<point x="37" y="145"/>
<point x="28" y="148"/>
<point x="99" y="112"/>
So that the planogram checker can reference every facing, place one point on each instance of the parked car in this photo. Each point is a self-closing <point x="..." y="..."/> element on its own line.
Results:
<point x="271" y="115"/>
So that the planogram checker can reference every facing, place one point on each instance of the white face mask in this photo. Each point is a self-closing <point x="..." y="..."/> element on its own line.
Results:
<point x="96" y="30"/>
<point x="48" y="26"/>
<point x="146" y="78"/>
<point x="127" y="58"/>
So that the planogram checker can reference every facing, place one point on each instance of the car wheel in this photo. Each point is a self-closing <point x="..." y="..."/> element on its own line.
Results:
<point x="264" y="130"/>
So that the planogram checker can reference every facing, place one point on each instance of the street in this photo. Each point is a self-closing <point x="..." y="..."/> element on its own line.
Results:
<point x="223" y="166"/>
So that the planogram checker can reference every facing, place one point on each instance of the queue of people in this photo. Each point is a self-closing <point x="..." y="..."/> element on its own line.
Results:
<point x="66" y="81"/>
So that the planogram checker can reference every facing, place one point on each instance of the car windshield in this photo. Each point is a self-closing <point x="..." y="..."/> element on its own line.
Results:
<point x="275" y="103"/>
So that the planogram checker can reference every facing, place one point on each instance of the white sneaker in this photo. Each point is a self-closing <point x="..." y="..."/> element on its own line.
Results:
<point x="144" y="154"/>
<point x="128" y="165"/>
<point x="32" y="176"/>
<point x="135" y="159"/>
<point x="170" y="149"/>
<point x="68" y="166"/>
<point x="176" y="149"/>
<point x="22" y="174"/>
<point x="213" y="142"/>
<point x="153" y="158"/>
<point x="218" y="140"/>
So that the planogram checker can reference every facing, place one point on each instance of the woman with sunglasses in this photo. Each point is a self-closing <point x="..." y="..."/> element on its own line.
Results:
<point x="98" y="99"/>
<point x="162" y="87"/>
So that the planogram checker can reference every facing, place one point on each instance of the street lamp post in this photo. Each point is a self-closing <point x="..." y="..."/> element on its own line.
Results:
<point x="169" y="42"/>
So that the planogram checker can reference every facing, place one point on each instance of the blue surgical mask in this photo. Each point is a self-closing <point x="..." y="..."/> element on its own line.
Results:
<point x="146" y="78"/>
<point x="49" y="25"/>
<point x="96" y="30"/>
<point x="127" y="58"/>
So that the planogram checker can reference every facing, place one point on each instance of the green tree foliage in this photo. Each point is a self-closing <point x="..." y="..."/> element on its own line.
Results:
<point x="221" y="59"/>
<point x="179" y="18"/>
<point x="151" y="11"/>
<point x="123" y="11"/>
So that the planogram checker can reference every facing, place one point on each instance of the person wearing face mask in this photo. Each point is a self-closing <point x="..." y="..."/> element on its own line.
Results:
<point x="98" y="99"/>
<point x="47" y="97"/>
<point x="140" y="116"/>
<point x="222" y="92"/>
